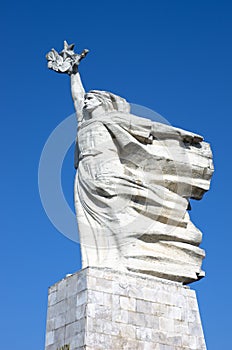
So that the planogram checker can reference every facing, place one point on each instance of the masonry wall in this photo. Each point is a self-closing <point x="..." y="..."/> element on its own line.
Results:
<point x="98" y="308"/>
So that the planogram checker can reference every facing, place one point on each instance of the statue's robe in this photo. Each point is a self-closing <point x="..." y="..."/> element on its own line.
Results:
<point x="133" y="184"/>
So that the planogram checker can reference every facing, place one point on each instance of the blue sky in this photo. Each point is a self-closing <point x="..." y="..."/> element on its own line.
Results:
<point x="174" y="57"/>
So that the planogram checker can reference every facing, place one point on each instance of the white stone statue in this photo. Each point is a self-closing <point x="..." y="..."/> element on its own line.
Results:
<point x="133" y="184"/>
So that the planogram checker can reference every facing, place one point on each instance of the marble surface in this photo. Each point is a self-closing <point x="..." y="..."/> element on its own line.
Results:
<point x="133" y="184"/>
<point x="99" y="308"/>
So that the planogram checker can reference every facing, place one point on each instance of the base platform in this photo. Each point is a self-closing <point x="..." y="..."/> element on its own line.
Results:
<point x="99" y="308"/>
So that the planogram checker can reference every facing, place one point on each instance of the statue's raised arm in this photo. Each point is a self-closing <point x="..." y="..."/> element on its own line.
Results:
<point x="67" y="62"/>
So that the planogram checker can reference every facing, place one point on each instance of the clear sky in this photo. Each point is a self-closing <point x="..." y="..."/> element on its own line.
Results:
<point x="173" y="56"/>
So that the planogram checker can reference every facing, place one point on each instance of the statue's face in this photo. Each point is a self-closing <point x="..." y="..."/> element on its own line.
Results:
<point x="91" y="102"/>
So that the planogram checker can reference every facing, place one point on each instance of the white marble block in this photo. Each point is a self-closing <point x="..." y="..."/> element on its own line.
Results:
<point x="99" y="308"/>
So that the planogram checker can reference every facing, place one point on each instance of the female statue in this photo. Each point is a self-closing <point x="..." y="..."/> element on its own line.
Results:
<point x="133" y="184"/>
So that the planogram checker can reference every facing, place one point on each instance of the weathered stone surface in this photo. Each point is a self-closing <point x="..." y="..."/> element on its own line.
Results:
<point x="134" y="181"/>
<point x="116" y="311"/>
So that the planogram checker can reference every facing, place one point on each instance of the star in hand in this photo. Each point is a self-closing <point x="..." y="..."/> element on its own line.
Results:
<point x="68" y="50"/>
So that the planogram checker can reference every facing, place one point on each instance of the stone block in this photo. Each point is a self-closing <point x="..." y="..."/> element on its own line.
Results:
<point x="144" y="334"/>
<point x="127" y="331"/>
<point x="166" y="325"/>
<point x="136" y="318"/>
<point x="52" y="298"/>
<point x="174" y="312"/>
<point x="144" y="307"/>
<point x="120" y="288"/>
<point x="81" y="298"/>
<point x="99" y="308"/>
<point x="50" y="324"/>
<point x="120" y="316"/>
<point x="107" y="299"/>
<point x="80" y="311"/>
<point x="49" y="338"/>
<point x="60" y="321"/>
<point x="102" y="312"/>
<point x="74" y="328"/>
<point x="151" y="321"/>
<point x="61" y="290"/>
<point x="95" y="297"/>
<point x="76" y="341"/>
<point x="104" y="285"/>
<point x="128" y="303"/>
<point x="59" y="336"/>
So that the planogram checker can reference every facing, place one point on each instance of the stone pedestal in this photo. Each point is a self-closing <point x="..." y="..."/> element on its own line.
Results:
<point x="99" y="308"/>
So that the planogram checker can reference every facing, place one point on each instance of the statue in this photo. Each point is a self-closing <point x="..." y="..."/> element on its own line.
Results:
<point x="133" y="184"/>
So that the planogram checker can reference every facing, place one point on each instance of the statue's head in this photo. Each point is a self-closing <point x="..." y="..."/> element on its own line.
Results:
<point x="98" y="102"/>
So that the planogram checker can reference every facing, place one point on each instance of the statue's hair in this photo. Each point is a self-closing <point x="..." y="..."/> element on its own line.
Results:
<point x="111" y="101"/>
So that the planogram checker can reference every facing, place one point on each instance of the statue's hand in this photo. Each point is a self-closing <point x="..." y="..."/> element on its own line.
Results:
<point x="66" y="61"/>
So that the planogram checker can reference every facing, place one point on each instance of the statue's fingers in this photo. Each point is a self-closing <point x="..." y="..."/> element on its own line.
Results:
<point x="83" y="54"/>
